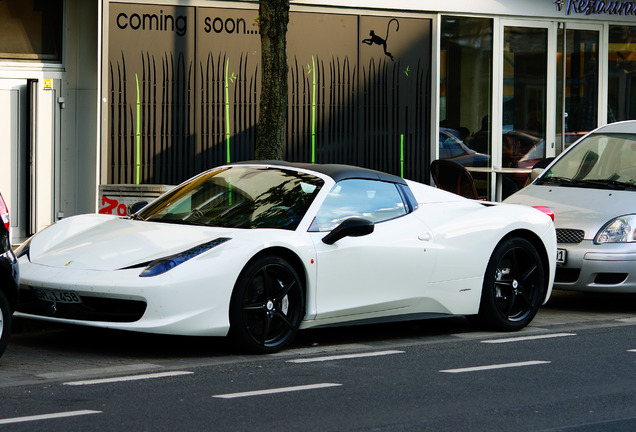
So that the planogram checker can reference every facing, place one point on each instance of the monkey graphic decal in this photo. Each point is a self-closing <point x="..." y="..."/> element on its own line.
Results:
<point x="375" y="39"/>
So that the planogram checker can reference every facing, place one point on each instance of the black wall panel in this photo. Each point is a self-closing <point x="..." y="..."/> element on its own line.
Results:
<point x="184" y="89"/>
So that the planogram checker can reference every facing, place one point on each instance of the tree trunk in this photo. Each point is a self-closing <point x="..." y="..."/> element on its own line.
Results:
<point x="270" y="130"/>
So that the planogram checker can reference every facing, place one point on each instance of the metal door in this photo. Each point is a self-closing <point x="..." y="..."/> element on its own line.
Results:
<point x="14" y="162"/>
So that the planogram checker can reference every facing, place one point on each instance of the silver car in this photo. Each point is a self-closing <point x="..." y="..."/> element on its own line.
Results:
<point x="591" y="188"/>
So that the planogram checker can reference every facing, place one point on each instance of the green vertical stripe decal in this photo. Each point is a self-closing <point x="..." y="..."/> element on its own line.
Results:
<point x="138" y="136"/>
<point x="313" y="111"/>
<point x="227" y="110"/>
<point x="402" y="155"/>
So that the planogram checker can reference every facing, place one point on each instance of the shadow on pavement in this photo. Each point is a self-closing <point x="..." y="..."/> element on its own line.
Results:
<point x="592" y="302"/>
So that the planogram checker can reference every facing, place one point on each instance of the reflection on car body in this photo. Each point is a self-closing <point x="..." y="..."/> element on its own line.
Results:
<point x="453" y="148"/>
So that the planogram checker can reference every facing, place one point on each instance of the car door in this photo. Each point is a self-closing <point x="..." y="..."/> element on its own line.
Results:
<point x="386" y="270"/>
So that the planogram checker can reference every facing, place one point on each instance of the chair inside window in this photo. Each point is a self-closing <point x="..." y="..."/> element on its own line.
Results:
<point x="453" y="177"/>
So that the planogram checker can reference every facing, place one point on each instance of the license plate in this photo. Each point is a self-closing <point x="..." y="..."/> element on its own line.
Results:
<point x="56" y="296"/>
<point x="561" y="254"/>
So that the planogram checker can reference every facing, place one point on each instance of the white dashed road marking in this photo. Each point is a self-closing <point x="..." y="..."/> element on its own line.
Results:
<point x="277" y="390"/>
<point x="47" y="416"/>
<point x="495" y="366"/>
<point x="527" y="338"/>
<point x="344" y="356"/>
<point x="128" y="378"/>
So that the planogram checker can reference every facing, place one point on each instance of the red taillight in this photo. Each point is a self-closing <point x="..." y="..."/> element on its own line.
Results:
<point x="4" y="213"/>
<point x="546" y="210"/>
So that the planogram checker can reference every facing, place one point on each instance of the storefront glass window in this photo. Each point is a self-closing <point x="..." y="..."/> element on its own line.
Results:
<point x="31" y="30"/>
<point x="579" y="83"/>
<point x="622" y="74"/>
<point x="524" y="102"/>
<point x="466" y="94"/>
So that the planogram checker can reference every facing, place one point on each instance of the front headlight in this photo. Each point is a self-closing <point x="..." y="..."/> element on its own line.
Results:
<point x="619" y="230"/>
<point x="162" y="265"/>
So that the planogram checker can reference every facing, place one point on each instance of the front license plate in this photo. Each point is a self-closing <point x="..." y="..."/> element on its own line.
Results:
<point x="56" y="296"/>
<point x="561" y="254"/>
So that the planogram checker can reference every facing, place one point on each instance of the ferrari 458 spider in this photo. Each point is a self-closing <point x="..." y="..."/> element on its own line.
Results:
<point x="260" y="250"/>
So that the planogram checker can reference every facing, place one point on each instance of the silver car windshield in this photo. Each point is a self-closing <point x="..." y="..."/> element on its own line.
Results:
<point x="606" y="161"/>
<point x="238" y="197"/>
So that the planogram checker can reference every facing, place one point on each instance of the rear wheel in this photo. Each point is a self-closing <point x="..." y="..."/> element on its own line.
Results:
<point x="514" y="286"/>
<point x="5" y="323"/>
<point x="267" y="306"/>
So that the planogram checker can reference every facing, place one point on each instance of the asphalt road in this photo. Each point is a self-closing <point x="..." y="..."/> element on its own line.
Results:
<point x="571" y="370"/>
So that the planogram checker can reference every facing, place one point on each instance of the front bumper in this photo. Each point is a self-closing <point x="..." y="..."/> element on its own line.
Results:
<point x="177" y="302"/>
<point x="598" y="268"/>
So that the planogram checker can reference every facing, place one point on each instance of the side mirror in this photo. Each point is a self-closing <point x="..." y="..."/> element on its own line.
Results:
<point x="134" y="208"/>
<point x="536" y="172"/>
<point x="352" y="227"/>
<point x="538" y="169"/>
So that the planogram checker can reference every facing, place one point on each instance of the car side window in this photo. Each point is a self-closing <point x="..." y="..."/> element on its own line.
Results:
<point x="373" y="200"/>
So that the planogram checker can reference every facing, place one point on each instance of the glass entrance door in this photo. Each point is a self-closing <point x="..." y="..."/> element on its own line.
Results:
<point x="526" y="102"/>
<point x="465" y="94"/>
<point x="578" y="72"/>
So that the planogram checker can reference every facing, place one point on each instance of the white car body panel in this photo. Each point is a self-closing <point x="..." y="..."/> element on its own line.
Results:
<point x="489" y="222"/>
<point x="394" y="245"/>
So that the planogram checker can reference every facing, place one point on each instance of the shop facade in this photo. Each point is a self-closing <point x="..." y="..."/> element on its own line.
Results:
<point x="144" y="94"/>
<point x="48" y="111"/>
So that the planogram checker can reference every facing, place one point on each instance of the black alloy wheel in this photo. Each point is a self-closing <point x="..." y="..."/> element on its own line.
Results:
<point x="514" y="286"/>
<point x="267" y="306"/>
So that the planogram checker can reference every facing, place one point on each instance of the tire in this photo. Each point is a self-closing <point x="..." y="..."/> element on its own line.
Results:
<point x="5" y="323"/>
<point x="514" y="286"/>
<point x="267" y="306"/>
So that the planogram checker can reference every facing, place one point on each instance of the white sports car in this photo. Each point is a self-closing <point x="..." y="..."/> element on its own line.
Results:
<point x="259" y="250"/>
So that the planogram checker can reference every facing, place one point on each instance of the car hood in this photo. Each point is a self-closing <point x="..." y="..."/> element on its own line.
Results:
<point x="102" y="242"/>
<point x="577" y="208"/>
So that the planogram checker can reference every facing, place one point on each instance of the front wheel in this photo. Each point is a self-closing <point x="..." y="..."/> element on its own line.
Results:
<point x="267" y="306"/>
<point x="514" y="286"/>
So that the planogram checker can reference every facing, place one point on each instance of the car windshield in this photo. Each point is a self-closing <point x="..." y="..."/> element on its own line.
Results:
<point x="238" y="197"/>
<point x="605" y="161"/>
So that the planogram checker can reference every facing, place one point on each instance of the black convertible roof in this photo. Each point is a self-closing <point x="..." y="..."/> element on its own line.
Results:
<point x="335" y="171"/>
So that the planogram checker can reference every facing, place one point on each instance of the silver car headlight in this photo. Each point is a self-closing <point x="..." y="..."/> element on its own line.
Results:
<point x="619" y="230"/>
